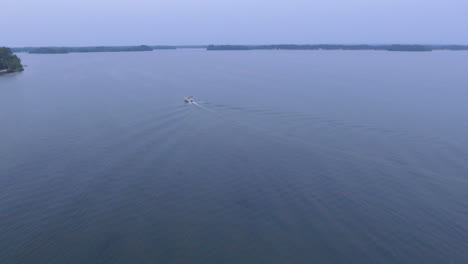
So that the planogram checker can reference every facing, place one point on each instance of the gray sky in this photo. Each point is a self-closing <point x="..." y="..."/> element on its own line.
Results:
<point x="129" y="22"/>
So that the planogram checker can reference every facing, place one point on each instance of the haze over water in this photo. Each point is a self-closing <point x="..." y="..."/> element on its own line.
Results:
<point x="287" y="157"/>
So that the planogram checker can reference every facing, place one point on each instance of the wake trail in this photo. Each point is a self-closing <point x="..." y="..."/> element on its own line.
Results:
<point x="204" y="107"/>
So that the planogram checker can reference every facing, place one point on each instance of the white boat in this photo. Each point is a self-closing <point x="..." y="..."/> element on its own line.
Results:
<point x="188" y="99"/>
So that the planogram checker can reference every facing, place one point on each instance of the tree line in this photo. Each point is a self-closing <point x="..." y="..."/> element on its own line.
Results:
<point x="64" y="50"/>
<point x="9" y="62"/>
<point x="392" y="47"/>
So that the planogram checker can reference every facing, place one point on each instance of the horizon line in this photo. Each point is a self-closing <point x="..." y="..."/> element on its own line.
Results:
<point x="224" y="44"/>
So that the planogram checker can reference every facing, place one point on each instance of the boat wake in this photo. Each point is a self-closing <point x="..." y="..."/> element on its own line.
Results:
<point x="202" y="106"/>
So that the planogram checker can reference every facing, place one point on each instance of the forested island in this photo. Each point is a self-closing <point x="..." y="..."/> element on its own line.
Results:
<point x="9" y="62"/>
<point x="64" y="50"/>
<point x="393" y="47"/>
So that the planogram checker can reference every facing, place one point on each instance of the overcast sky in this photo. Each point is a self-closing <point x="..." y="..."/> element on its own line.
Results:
<point x="131" y="22"/>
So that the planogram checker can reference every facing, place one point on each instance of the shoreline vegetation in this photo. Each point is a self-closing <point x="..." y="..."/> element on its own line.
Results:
<point x="9" y="62"/>
<point x="88" y="49"/>
<point x="391" y="47"/>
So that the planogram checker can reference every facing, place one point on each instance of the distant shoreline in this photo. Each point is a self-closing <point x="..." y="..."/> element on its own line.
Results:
<point x="91" y="49"/>
<point x="392" y="47"/>
<point x="383" y="47"/>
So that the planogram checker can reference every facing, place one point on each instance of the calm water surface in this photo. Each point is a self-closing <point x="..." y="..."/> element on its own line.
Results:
<point x="287" y="157"/>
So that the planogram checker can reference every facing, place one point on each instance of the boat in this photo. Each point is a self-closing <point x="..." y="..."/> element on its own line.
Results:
<point x="188" y="99"/>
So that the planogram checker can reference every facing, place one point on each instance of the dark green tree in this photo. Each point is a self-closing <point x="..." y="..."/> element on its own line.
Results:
<point x="9" y="62"/>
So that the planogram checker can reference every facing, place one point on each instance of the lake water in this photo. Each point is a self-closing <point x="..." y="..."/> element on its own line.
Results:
<point x="287" y="157"/>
